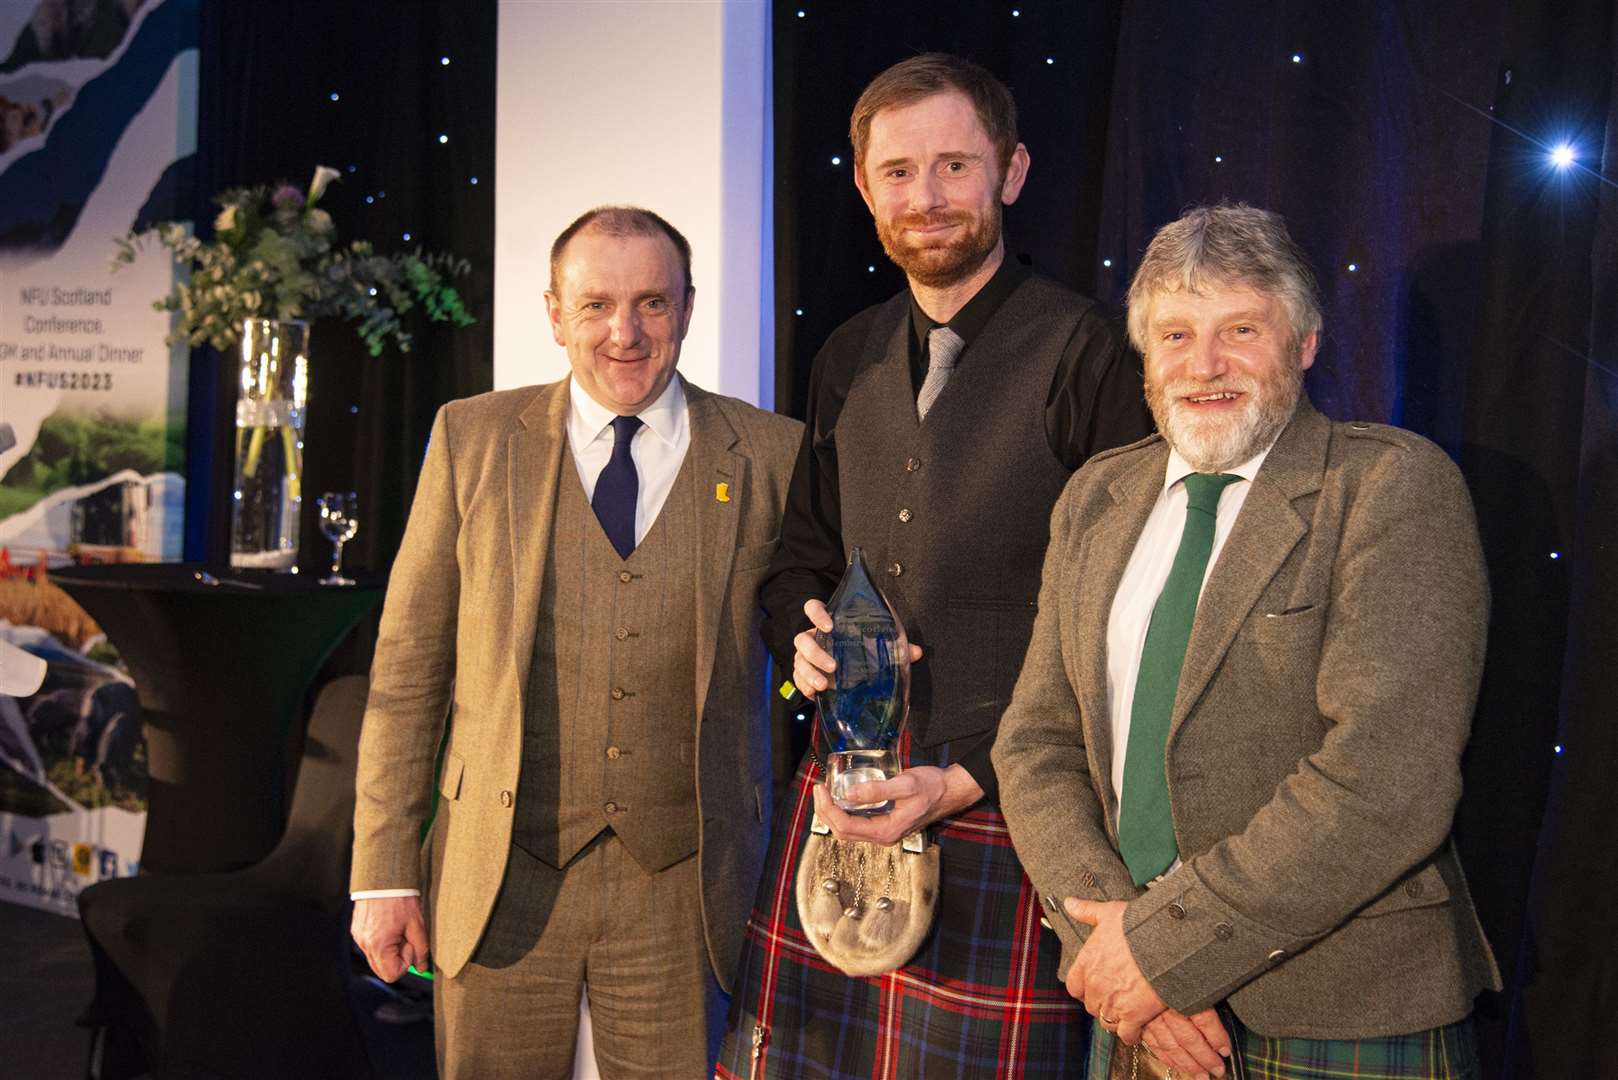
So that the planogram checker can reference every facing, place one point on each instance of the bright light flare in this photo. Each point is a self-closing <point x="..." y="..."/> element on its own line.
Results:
<point x="1563" y="155"/>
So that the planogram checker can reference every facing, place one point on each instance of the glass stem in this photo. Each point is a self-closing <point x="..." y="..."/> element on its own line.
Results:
<point x="336" y="558"/>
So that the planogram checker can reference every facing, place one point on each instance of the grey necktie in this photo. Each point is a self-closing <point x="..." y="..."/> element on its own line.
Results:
<point x="943" y="349"/>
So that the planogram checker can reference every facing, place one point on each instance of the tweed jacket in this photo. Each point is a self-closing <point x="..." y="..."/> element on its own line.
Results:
<point x="1313" y="756"/>
<point x="457" y="642"/>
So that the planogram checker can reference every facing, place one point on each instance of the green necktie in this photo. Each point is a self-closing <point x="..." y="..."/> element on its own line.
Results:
<point x="1146" y="827"/>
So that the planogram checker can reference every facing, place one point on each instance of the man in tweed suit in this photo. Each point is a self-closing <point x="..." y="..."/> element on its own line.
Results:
<point x="577" y="591"/>
<point x="1247" y="796"/>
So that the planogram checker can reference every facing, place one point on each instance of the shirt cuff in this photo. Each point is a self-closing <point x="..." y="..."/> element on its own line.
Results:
<point x="382" y="894"/>
<point x="978" y="765"/>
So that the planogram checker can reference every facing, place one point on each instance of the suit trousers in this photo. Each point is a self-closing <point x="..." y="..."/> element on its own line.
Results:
<point x="634" y="938"/>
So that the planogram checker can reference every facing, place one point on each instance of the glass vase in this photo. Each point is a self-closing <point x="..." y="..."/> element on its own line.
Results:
<point x="272" y="396"/>
<point x="864" y="708"/>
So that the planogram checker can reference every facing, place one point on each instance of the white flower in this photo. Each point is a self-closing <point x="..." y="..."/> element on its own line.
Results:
<point x="324" y="174"/>
<point x="226" y="220"/>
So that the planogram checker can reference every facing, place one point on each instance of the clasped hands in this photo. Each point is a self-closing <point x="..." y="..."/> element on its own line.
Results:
<point x="921" y="795"/>
<point x="1106" y="978"/>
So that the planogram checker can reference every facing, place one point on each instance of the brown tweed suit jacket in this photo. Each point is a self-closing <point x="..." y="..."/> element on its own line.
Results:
<point x="457" y="639"/>
<point x="1313" y="757"/>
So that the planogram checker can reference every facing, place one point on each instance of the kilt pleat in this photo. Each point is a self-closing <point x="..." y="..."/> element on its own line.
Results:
<point x="981" y="998"/>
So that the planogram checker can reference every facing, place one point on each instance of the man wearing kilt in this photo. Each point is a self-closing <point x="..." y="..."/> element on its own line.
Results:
<point x="1233" y="757"/>
<point x="942" y="425"/>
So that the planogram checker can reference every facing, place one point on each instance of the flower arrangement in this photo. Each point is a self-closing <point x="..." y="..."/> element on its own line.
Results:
<point x="274" y="256"/>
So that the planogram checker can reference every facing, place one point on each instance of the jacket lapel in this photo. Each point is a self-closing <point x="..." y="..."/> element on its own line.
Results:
<point x="533" y="464"/>
<point x="1265" y="534"/>
<point x="713" y="461"/>
<point x="1102" y="558"/>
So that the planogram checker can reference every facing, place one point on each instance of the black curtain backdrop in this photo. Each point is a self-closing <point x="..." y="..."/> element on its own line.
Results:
<point x="1471" y="294"/>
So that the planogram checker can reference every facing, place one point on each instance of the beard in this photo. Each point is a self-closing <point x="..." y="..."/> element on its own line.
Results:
<point x="1212" y="444"/>
<point x="943" y="263"/>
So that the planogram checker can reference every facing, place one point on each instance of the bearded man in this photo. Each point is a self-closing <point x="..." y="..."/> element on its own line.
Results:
<point x="942" y="426"/>
<point x="1233" y="757"/>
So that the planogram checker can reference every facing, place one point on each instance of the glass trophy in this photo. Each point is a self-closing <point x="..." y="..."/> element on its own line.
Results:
<point x="864" y="708"/>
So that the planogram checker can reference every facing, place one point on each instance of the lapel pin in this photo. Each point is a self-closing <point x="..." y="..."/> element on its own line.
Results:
<point x="721" y="492"/>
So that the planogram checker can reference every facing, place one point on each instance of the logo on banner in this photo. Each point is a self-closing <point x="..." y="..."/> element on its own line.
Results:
<point x="81" y="859"/>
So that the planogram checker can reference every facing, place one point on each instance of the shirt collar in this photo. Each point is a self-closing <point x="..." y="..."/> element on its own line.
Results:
<point x="976" y="313"/>
<point x="587" y="418"/>
<point x="1178" y="468"/>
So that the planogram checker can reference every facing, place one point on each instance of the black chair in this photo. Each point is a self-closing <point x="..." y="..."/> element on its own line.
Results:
<point x="242" y="974"/>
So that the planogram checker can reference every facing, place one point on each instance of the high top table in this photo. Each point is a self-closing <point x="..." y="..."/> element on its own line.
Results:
<point x="221" y="671"/>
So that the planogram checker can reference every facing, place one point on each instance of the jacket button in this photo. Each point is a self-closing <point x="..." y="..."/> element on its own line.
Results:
<point x="1089" y="880"/>
<point x="611" y="808"/>
<point x="613" y="753"/>
<point x="1177" y="911"/>
<point x="617" y="693"/>
<point x="904" y="515"/>
<point x="1046" y="923"/>
<point x="1050" y="901"/>
<point x="1222" y="931"/>
<point x="912" y="464"/>
<point x="895" y="569"/>
<point x="1413" y="889"/>
<point x="1277" y="956"/>
<point x="505" y="798"/>
<point x="621" y="633"/>
<point x="625" y="576"/>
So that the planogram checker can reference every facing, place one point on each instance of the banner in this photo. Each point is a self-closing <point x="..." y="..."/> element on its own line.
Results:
<point x="97" y="134"/>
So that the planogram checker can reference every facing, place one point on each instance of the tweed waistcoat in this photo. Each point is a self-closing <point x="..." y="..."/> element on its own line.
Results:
<point x="954" y="512"/>
<point x="609" y="737"/>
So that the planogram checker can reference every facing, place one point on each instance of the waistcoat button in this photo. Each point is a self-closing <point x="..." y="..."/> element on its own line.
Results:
<point x="912" y="464"/>
<point x="625" y="576"/>
<point x="505" y="798"/>
<point x="905" y="515"/>
<point x="895" y="569"/>
<point x="617" y="693"/>
<point x="613" y="753"/>
<point x="611" y="808"/>
<point x="621" y="633"/>
<point x="1223" y="931"/>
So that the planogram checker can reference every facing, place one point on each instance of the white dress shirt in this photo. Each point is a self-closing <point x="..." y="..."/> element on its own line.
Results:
<point x="658" y="449"/>
<point x="1143" y="581"/>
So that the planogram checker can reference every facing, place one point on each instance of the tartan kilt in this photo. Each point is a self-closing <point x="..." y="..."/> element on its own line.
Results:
<point x="1442" y="1053"/>
<point x="981" y="997"/>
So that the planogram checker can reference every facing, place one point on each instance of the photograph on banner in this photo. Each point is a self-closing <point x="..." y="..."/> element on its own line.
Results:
<point x="97" y="137"/>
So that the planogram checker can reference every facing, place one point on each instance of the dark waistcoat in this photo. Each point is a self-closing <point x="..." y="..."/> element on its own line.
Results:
<point x="609" y="737"/>
<point x="954" y="512"/>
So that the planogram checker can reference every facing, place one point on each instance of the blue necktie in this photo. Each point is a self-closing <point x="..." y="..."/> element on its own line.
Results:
<point x="617" y="488"/>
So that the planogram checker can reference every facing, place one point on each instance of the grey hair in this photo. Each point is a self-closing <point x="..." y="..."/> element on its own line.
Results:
<point x="1228" y="244"/>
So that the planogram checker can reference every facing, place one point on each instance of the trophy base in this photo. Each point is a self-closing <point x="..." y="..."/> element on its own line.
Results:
<point x="849" y="767"/>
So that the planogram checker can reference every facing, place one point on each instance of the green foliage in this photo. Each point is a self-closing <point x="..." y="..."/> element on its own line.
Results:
<point x="79" y="450"/>
<point x="89" y="790"/>
<point x="274" y="256"/>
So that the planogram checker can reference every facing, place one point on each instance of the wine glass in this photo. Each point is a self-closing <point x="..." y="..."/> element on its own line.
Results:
<point x="339" y="521"/>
